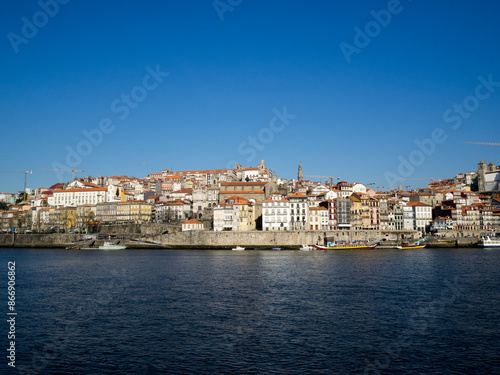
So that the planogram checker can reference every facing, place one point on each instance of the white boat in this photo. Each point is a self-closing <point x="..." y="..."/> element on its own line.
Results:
<point x="112" y="246"/>
<point x="238" y="248"/>
<point x="307" y="248"/>
<point x="489" y="242"/>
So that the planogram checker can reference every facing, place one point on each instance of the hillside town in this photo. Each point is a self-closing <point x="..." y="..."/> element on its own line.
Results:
<point x="254" y="198"/>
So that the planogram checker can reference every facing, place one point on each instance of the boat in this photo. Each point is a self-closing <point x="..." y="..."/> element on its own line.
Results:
<point x="489" y="242"/>
<point x="346" y="246"/>
<point x="72" y="248"/>
<point x="112" y="246"/>
<point x="277" y="248"/>
<point x="238" y="248"/>
<point x="410" y="247"/>
<point x="306" y="248"/>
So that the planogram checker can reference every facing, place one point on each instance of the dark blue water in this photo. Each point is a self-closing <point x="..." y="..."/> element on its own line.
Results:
<point x="254" y="312"/>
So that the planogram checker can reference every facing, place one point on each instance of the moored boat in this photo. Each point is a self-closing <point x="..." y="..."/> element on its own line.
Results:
<point x="346" y="246"/>
<point x="410" y="247"/>
<point x="306" y="248"/>
<point x="238" y="248"/>
<point x="489" y="242"/>
<point x="112" y="246"/>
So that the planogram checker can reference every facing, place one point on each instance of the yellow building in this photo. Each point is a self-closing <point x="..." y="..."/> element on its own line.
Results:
<point x="140" y="211"/>
<point x="318" y="218"/>
<point x="356" y="211"/>
<point x="244" y="213"/>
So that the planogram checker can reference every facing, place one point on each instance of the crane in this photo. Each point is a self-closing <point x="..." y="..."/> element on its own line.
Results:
<point x="25" y="175"/>
<point x="423" y="179"/>
<point x="483" y="143"/>
<point x="62" y="170"/>
<point x="330" y="177"/>
<point x="370" y="184"/>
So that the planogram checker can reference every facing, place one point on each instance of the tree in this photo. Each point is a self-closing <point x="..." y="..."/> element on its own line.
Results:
<point x="4" y="206"/>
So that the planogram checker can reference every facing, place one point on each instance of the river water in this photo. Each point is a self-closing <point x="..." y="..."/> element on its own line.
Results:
<point x="428" y="311"/>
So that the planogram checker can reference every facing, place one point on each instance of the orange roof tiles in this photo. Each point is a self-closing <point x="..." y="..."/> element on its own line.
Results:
<point x="241" y="183"/>
<point x="192" y="221"/>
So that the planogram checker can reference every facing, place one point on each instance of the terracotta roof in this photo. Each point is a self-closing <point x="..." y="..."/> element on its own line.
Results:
<point x="241" y="183"/>
<point x="192" y="221"/>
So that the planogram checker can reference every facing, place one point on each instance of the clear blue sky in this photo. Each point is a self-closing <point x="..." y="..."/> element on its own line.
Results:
<point x="229" y="71"/>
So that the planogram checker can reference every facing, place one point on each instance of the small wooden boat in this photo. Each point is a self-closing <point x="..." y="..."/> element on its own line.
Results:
<point x="410" y="247"/>
<point x="347" y="246"/>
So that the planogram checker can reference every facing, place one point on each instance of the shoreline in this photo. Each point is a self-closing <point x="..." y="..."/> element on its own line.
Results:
<point x="205" y="240"/>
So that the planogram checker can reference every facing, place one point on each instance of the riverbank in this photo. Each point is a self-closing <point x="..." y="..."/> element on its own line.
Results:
<point x="228" y="240"/>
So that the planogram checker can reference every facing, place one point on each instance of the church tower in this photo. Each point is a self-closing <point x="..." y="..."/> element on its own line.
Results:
<point x="481" y="170"/>
<point x="300" y="175"/>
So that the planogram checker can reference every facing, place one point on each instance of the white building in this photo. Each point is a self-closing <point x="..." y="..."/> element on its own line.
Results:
<point x="77" y="197"/>
<point x="422" y="215"/>
<point x="299" y="212"/>
<point x="358" y="188"/>
<point x="408" y="218"/>
<point x="276" y="213"/>
<point x="223" y="217"/>
<point x="192" y="225"/>
<point x="250" y="174"/>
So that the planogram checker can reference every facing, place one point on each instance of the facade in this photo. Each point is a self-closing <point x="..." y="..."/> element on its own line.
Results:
<point x="441" y="224"/>
<point x="243" y="214"/>
<point x="318" y="218"/>
<point x="223" y="217"/>
<point x="339" y="213"/>
<point x="299" y="212"/>
<point x="276" y="213"/>
<point x="85" y="215"/>
<point x="78" y="196"/>
<point x="106" y="213"/>
<point x="422" y="215"/>
<point x="192" y="224"/>
<point x="408" y="218"/>
<point x="374" y="212"/>
<point x="166" y="212"/>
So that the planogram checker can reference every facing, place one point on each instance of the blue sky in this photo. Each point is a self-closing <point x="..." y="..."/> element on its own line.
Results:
<point x="223" y="74"/>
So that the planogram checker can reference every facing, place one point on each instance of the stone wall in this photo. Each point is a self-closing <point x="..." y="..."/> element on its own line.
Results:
<point x="211" y="240"/>
<point x="140" y="229"/>
<point x="256" y="239"/>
